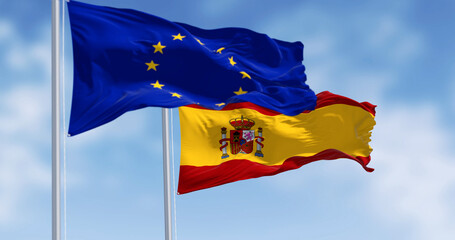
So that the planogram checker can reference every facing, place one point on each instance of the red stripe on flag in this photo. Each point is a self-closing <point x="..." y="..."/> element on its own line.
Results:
<point x="327" y="98"/>
<point x="196" y="178"/>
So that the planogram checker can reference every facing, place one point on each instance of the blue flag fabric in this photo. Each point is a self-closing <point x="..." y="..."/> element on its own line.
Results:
<point x="126" y="60"/>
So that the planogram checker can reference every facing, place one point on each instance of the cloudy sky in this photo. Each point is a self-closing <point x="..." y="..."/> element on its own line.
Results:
<point x="396" y="54"/>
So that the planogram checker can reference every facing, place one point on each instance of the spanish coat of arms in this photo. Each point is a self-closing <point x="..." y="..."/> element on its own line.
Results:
<point x="241" y="139"/>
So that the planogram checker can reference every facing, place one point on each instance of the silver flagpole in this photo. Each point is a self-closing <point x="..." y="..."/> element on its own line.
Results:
<point x="56" y="120"/>
<point x="166" y="176"/>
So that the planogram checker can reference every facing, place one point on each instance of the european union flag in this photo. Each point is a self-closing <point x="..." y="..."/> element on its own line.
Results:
<point x="126" y="60"/>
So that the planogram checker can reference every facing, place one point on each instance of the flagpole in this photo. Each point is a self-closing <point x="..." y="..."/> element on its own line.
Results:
<point x="166" y="175"/>
<point x="56" y="120"/>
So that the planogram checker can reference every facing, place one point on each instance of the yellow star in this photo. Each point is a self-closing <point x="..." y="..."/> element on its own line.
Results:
<point x="176" y="95"/>
<point x="220" y="104"/>
<point x="157" y="85"/>
<point x="240" y="92"/>
<point x="231" y="61"/>
<point x="179" y="37"/>
<point x="219" y="50"/>
<point x="158" y="48"/>
<point x="245" y="75"/>
<point x="151" y="65"/>
<point x="199" y="41"/>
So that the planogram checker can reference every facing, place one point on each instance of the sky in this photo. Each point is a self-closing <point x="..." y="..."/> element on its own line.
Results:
<point x="398" y="55"/>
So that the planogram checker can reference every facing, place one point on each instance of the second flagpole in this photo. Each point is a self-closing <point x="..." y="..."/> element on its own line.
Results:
<point x="166" y="175"/>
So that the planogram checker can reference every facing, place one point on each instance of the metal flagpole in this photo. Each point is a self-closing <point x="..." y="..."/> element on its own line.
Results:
<point x="56" y="120"/>
<point x="166" y="175"/>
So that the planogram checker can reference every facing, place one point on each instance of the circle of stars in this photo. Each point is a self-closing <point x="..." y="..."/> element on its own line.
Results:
<point x="159" y="47"/>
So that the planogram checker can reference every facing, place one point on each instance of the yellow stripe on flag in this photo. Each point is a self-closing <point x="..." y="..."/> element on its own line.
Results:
<point x="342" y="127"/>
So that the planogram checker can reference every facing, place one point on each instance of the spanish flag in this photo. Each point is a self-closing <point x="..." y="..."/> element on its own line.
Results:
<point x="245" y="141"/>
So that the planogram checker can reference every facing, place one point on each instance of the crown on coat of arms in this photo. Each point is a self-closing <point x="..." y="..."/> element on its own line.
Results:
<point x="242" y="123"/>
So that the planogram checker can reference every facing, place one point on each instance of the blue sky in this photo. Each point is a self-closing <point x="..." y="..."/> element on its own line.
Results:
<point x="396" y="54"/>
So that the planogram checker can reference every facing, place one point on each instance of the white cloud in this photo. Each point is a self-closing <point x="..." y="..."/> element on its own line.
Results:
<point x="25" y="112"/>
<point x="396" y="42"/>
<point x="5" y="29"/>
<point x="412" y="185"/>
<point x="22" y="169"/>
<point x="21" y="55"/>
<point x="414" y="171"/>
<point x="24" y="123"/>
<point x="21" y="174"/>
<point x="360" y="56"/>
<point x="117" y="142"/>
<point x="413" y="182"/>
<point x="25" y="175"/>
<point x="135" y="124"/>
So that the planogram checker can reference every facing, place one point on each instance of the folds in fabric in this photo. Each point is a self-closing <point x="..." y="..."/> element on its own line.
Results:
<point x="126" y="60"/>
<point x="246" y="141"/>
